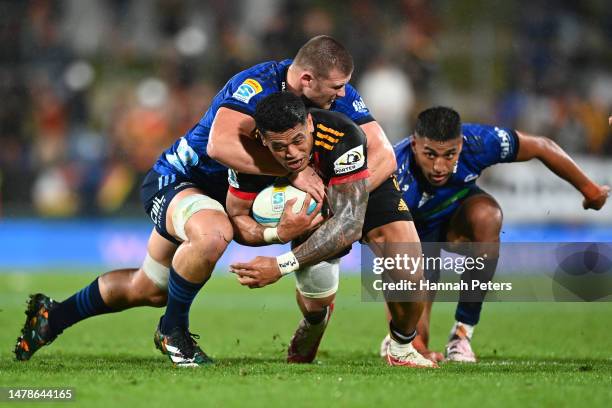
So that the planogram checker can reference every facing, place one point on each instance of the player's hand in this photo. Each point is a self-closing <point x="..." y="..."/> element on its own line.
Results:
<point x="293" y="225"/>
<point x="309" y="181"/>
<point x="596" y="198"/>
<point x="259" y="272"/>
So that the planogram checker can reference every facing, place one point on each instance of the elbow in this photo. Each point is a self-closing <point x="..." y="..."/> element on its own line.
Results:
<point x="212" y="151"/>
<point x="354" y="232"/>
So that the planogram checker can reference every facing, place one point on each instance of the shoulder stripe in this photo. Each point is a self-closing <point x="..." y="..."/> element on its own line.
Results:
<point x="330" y="130"/>
<point x="326" y="137"/>
<point x="323" y="144"/>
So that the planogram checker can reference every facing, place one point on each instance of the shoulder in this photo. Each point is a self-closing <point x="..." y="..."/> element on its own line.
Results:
<point x="245" y="89"/>
<point x="336" y="124"/>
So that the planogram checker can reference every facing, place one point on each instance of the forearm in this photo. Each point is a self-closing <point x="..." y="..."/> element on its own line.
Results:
<point x="338" y="232"/>
<point x="381" y="158"/>
<point x="247" y="231"/>
<point x="381" y="167"/>
<point x="560" y="163"/>
<point x="246" y="156"/>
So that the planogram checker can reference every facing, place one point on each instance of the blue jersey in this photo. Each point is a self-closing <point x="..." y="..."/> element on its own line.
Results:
<point x="187" y="156"/>
<point x="483" y="146"/>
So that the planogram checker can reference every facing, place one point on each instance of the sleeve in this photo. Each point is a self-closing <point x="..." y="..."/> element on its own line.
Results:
<point x="402" y="156"/>
<point x="496" y="144"/>
<point x="352" y="105"/>
<point x="247" y="186"/>
<point x="348" y="160"/>
<point x="244" y="91"/>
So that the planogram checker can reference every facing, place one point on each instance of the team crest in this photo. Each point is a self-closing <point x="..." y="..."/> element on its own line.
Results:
<point x="248" y="89"/>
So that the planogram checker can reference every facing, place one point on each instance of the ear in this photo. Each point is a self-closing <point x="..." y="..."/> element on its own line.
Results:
<point x="309" y="123"/>
<point x="306" y="78"/>
<point x="413" y="143"/>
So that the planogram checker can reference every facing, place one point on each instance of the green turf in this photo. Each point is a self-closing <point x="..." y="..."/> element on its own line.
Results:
<point x="532" y="354"/>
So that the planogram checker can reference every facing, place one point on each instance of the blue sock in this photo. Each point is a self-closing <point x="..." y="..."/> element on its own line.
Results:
<point x="468" y="312"/>
<point x="83" y="304"/>
<point x="181" y="293"/>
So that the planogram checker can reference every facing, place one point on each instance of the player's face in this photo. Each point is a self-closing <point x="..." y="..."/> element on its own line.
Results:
<point x="437" y="160"/>
<point x="292" y="147"/>
<point x="323" y="91"/>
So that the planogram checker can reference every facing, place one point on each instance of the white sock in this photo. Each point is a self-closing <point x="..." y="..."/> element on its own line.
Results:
<point x="462" y="330"/>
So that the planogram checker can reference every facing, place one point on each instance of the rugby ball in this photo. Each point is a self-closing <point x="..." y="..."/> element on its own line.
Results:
<point x="270" y="202"/>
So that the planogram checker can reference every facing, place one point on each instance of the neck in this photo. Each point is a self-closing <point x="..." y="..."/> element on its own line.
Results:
<point x="293" y="80"/>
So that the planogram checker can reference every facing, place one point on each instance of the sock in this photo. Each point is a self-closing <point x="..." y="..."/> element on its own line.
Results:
<point x="181" y="293"/>
<point x="462" y="330"/>
<point x="314" y="318"/>
<point x="399" y="336"/>
<point x="83" y="304"/>
<point x="470" y="303"/>
<point x="468" y="312"/>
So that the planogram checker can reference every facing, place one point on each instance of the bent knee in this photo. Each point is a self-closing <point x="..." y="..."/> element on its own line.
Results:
<point x="485" y="220"/>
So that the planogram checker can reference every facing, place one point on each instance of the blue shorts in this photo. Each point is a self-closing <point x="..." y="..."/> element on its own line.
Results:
<point x="157" y="191"/>
<point x="440" y="231"/>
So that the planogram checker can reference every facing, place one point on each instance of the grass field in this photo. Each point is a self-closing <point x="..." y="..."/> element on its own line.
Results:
<point x="532" y="354"/>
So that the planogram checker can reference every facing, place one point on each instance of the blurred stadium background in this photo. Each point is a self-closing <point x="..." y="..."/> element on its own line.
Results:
<point x="93" y="90"/>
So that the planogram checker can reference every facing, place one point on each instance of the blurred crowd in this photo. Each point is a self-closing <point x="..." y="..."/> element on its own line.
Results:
<point x="91" y="91"/>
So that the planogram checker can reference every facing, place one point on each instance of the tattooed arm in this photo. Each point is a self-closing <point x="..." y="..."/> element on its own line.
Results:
<point x="348" y="202"/>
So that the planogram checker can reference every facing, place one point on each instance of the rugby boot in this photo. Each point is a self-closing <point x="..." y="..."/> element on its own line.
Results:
<point x="406" y="355"/>
<point x="36" y="331"/>
<point x="181" y="348"/>
<point x="306" y="339"/>
<point x="459" y="347"/>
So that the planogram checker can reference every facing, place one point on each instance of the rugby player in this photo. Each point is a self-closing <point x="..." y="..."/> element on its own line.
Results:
<point x="336" y="148"/>
<point x="438" y="169"/>
<point x="184" y="191"/>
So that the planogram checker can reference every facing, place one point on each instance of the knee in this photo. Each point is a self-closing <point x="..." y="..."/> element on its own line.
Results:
<point x="314" y="305"/>
<point x="210" y="234"/>
<point x="485" y="221"/>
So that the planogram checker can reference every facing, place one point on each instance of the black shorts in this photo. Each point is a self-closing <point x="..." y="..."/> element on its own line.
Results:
<point x="157" y="192"/>
<point x="385" y="206"/>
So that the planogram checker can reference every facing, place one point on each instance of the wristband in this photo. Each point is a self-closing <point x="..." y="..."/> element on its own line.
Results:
<point x="287" y="263"/>
<point x="270" y="236"/>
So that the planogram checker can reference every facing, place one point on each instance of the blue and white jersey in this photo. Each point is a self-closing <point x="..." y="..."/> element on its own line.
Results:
<point x="483" y="146"/>
<point x="188" y="157"/>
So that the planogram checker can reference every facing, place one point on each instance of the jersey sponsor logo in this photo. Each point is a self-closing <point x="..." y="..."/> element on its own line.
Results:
<point x="248" y="89"/>
<point x="402" y="205"/>
<point x="470" y="177"/>
<point x="360" y="106"/>
<point x="349" y="161"/>
<point x="232" y="178"/>
<point x="504" y="143"/>
<point x="158" y="203"/>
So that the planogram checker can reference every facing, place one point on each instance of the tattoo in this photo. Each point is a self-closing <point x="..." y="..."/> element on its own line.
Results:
<point x="348" y="204"/>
